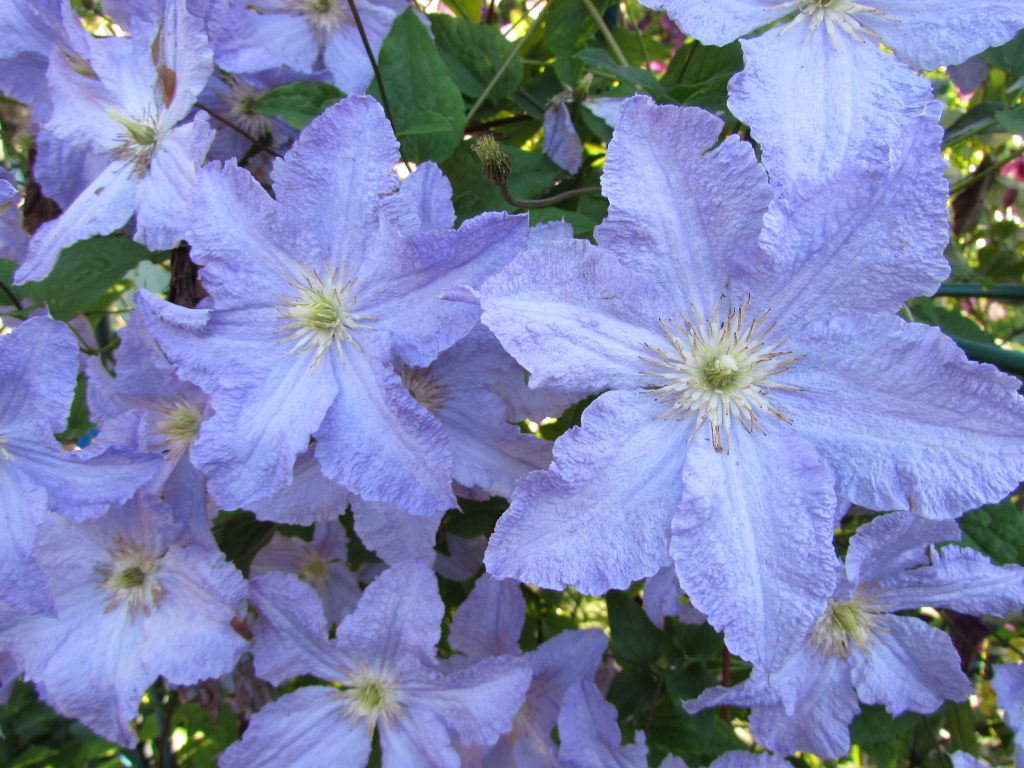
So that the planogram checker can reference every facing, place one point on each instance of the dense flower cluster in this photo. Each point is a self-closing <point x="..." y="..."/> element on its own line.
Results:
<point x="735" y="320"/>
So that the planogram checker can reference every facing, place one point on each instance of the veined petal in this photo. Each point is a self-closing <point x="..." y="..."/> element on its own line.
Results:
<point x="599" y="518"/>
<point x="561" y="142"/>
<point x="575" y="318"/>
<point x="393" y="533"/>
<point x="908" y="666"/>
<point x="403" y="284"/>
<point x="557" y="665"/>
<point x="38" y="369"/>
<point x="958" y="578"/>
<point x="423" y="202"/>
<point x="418" y="737"/>
<point x="22" y="583"/>
<point x="311" y="497"/>
<point x="263" y="419"/>
<point x="930" y="33"/>
<point x="862" y="241"/>
<point x="291" y="632"/>
<point x="400" y="614"/>
<point x="491" y="619"/>
<point x="379" y="442"/>
<point x="183" y="59"/>
<point x="245" y="40"/>
<point x="752" y="541"/>
<point x="721" y="22"/>
<point x="892" y="543"/>
<point x="106" y="204"/>
<point x="828" y="84"/>
<point x="163" y="191"/>
<point x="283" y="732"/>
<point x="904" y="420"/>
<point x="345" y="157"/>
<point x="243" y="239"/>
<point x="590" y="735"/>
<point x="680" y="208"/>
<point x="479" y="701"/>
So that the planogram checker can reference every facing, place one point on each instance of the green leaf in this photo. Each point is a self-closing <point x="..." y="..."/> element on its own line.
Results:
<point x="885" y="738"/>
<point x="1009" y="57"/>
<point x="426" y="107"/>
<point x="532" y="175"/>
<point x="297" y="103"/>
<point x="634" y="637"/>
<point x="1011" y="119"/>
<point x="473" y="54"/>
<point x="997" y="530"/>
<point x="601" y="62"/>
<point x="980" y="118"/>
<point x="84" y="272"/>
<point x="699" y="74"/>
<point x="569" y="26"/>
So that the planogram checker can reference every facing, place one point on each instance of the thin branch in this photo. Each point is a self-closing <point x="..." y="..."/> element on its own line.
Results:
<point x="504" y="65"/>
<point x="606" y="33"/>
<point x="236" y="128"/>
<point x="10" y="294"/>
<point x="967" y="181"/>
<point x="487" y="125"/>
<point x="544" y="202"/>
<point x="373" y="59"/>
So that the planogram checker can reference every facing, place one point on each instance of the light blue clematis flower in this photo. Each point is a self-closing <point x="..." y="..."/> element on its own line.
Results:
<point x="753" y="371"/>
<point x="38" y="370"/>
<point x="134" y="602"/>
<point x="127" y="100"/>
<point x="384" y="676"/>
<point x="861" y="649"/>
<point x="310" y="305"/>
<point x="818" y="92"/>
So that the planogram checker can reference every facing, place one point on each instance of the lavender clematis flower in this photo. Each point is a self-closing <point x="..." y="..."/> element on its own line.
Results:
<point x="13" y="239"/>
<point x="459" y="388"/>
<point x="825" y="65"/>
<point x="386" y="677"/>
<point x="125" y="101"/>
<point x="859" y="648"/>
<point x="308" y="309"/>
<point x="755" y="373"/>
<point x="134" y="603"/>
<point x="322" y="563"/>
<point x="561" y="142"/>
<point x="489" y="624"/>
<point x="39" y="362"/>
<point x="304" y="35"/>
<point x="1008" y="683"/>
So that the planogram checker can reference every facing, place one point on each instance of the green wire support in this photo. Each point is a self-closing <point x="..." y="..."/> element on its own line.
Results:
<point x="1003" y="359"/>
<point x="1005" y="291"/>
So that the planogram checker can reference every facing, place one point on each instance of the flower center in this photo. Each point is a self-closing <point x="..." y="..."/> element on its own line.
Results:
<point x="313" y="570"/>
<point x="319" y="314"/>
<point x="178" y="425"/>
<point x="138" y="142"/>
<point x="717" y="369"/>
<point x="130" y="576"/>
<point x="372" y="695"/>
<point x="844" y="623"/>
<point x="241" y="99"/>
<point x="424" y="388"/>
<point x="836" y="15"/>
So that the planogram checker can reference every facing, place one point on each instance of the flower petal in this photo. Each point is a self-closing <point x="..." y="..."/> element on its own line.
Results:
<point x="752" y="542"/>
<point x="379" y="442"/>
<point x="393" y="533"/>
<point x="722" y="22"/>
<point x="681" y="208"/>
<point x="283" y="731"/>
<point x="792" y="73"/>
<point x="491" y="619"/>
<point x="574" y="317"/>
<point x="904" y="420"/>
<point x="599" y="518"/>
<point x="908" y="665"/>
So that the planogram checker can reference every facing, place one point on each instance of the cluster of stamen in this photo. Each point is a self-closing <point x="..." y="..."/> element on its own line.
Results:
<point x="130" y="576"/>
<point x="836" y="15"/>
<point x="319" y="314"/>
<point x="372" y="695"/>
<point x="716" y="370"/>
<point x="314" y="568"/>
<point x="424" y="387"/>
<point x="138" y="141"/>
<point x="178" y="425"/>
<point x="844" y="625"/>
<point x="240" y="100"/>
<point x="324" y="16"/>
